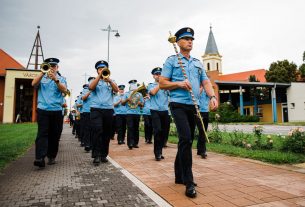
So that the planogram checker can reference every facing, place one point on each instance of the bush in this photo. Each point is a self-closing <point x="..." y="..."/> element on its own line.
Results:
<point x="229" y="114"/>
<point x="239" y="138"/>
<point x="216" y="135"/>
<point x="261" y="143"/>
<point x="295" y="141"/>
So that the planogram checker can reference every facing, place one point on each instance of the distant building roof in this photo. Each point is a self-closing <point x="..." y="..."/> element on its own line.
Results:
<point x="6" y="61"/>
<point x="211" y="47"/>
<point x="244" y="76"/>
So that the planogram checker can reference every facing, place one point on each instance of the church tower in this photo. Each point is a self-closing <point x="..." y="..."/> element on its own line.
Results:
<point x="212" y="59"/>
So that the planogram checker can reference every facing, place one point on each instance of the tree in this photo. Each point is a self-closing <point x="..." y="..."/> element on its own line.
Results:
<point x="252" y="78"/>
<point x="302" y="70"/>
<point x="302" y="67"/>
<point x="282" y="72"/>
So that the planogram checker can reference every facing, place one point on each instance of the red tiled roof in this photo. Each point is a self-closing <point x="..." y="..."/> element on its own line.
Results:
<point x="6" y="61"/>
<point x="244" y="76"/>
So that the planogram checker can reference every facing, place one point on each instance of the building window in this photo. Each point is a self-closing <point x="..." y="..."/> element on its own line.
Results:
<point x="292" y="105"/>
<point x="217" y="67"/>
<point x="247" y="111"/>
<point x="208" y="66"/>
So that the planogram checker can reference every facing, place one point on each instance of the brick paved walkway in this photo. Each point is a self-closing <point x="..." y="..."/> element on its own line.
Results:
<point x="222" y="181"/>
<point x="73" y="181"/>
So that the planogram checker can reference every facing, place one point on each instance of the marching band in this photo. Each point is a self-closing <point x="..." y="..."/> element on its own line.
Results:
<point x="103" y="108"/>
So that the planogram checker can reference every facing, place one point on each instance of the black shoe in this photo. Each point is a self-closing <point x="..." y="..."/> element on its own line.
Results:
<point x="119" y="142"/>
<point x="39" y="163"/>
<point x="96" y="161"/>
<point x="203" y="155"/>
<point x="87" y="149"/>
<point x="104" y="159"/>
<point x="123" y="142"/>
<point x="165" y="146"/>
<point x="158" y="158"/>
<point x="149" y="142"/>
<point x="190" y="191"/>
<point x="136" y="146"/>
<point x="162" y="157"/>
<point x="51" y="161"/>
<point x="130" y="147"/>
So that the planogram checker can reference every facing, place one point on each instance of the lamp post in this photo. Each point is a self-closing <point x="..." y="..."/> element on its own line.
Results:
<point x="20" y="102"/>
<point x="109" y="29"/>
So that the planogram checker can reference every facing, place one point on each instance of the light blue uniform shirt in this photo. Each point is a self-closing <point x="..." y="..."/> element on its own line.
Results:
<point x="159" y="101"/>
<point x="204" y="102"/>
<point x="49" y="96"/>
<point x="102" y="96"/>
<point x="87" y="102"/>
<point x="194" y="71"/>
<point x="119" y="109"/>
<point x="129" y="110"/>
<point x="146" y="109"/>
<point x="80" y="102"/>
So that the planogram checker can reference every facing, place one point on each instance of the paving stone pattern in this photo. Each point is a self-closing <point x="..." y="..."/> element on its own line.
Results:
<point x="72" y="181"/>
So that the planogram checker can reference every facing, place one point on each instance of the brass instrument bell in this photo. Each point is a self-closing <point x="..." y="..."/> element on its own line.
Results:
<point x="45" y="67"/>
<point x="105" y="73"/>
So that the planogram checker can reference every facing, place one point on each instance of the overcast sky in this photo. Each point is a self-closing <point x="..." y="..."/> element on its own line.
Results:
<point x="249" y="34"/>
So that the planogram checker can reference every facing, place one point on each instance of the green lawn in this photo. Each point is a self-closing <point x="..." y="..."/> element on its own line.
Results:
<point x="274" y="156"/>
<point x="15" y="140"/>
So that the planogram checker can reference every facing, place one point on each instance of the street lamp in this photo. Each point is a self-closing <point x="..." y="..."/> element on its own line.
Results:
<point x="20" y="102"/>
<point x="109" y="29"/>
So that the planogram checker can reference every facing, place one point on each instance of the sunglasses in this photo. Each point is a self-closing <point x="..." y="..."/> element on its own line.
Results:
<point x="53" y="65"/>
<point x="157" y="73"/>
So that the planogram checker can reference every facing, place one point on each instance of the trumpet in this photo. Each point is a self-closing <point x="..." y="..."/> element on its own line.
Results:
<point x="105" y="73"/>
<point x="45" y="67"/>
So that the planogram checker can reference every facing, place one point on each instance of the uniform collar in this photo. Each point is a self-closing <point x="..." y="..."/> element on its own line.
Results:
<point x="191" y="58"/>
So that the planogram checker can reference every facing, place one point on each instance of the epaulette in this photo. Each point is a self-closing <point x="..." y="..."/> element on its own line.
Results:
<point x="171" y="56"/>
<point x="196" y="59"/>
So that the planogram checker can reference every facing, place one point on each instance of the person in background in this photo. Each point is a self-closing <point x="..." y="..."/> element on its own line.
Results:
<point x="120" y="112"/>
<point x="101" y="112"/>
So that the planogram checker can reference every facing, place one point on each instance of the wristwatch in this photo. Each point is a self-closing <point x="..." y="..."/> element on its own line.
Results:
<point x="57" y="81"/>
<point x="213" y="97"/>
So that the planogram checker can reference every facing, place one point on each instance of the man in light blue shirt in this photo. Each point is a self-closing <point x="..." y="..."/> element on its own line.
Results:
<point x="86" y="98"/>
<point x="101" y="112"/>
<point x="180" y="80"/>
<point x="159" y="113"/>
<point x="49" y="112"/>
<point x="120" y="116"/>
<point x="133" y="101"/>
<point x="145" y="111"/>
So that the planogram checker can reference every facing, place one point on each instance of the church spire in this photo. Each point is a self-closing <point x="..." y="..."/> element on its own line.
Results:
<point x="211" y="58"/>
<point x="211" y="47"/>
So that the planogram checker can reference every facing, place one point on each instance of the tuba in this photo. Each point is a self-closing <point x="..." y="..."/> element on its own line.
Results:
<point x="105" y="73"/>
<point x="136" y="97"/>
